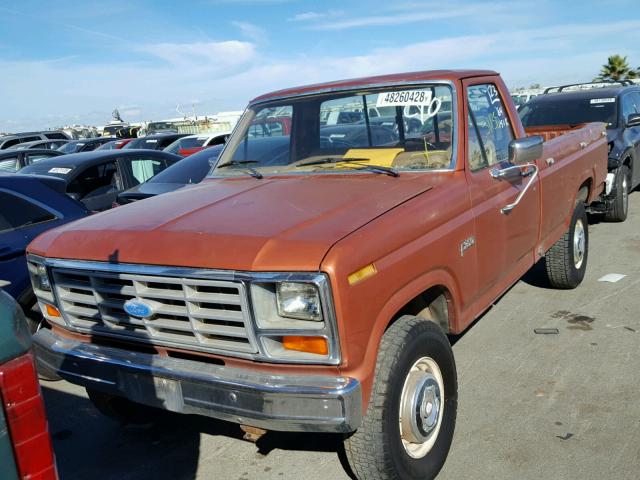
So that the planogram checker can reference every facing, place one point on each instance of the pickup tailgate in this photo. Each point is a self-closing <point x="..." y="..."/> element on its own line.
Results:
<point x="571" y="157"/>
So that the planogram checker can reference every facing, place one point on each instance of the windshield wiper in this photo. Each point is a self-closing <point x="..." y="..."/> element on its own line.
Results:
<point x="355" y="161"/>
<point x="320" y="161"/>
<point x="378" y="169"/>
<point x="249" y="170"/>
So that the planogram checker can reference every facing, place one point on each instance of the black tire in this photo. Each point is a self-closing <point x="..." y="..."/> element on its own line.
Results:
<point x="121" y="409"/>
<point x="375" y="451"/>
<point x="620" y="206"/>
<point x="566" y="260"/>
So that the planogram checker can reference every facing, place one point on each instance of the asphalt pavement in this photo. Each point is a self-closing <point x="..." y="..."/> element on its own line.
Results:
<point x="559" y="406"/>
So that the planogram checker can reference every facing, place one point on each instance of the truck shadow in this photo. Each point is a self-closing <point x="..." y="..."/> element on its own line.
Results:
<point x="89" y="445"/>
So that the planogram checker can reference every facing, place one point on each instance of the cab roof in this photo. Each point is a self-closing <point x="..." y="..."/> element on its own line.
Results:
<point x="380" y="80"/>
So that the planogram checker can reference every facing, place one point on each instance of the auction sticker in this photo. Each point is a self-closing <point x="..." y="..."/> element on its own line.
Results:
<point x="62" y="171"/>
<point x="404" y="98"/>
<point x="602" y="100"/>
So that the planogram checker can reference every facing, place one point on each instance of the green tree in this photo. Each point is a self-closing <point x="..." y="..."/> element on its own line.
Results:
<point x="617" y="68"/>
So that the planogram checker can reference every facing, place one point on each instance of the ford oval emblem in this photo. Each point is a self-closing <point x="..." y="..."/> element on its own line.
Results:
<point x="137" y="308"/>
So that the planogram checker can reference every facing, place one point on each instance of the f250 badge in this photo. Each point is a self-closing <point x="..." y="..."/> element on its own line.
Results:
<point x="467" y="244"/>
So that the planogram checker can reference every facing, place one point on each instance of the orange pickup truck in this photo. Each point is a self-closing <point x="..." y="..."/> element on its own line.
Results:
<point x="310" y="282"/>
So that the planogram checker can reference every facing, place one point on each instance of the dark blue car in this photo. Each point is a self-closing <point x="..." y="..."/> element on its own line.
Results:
<point x="29" y="205"/>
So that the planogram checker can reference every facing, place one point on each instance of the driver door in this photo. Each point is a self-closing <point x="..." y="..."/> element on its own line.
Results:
<point x="505" y="241"/>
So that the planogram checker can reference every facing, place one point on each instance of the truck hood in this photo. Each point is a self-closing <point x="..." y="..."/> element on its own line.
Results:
<point x="274" y="224"/>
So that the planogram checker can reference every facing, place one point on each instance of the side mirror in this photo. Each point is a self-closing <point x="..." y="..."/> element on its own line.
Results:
<point x="633" y="120"/>
<point x="525" y="150"/>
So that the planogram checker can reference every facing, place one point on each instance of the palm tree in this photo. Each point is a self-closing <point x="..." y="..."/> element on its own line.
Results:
<point x="617" y="68"/>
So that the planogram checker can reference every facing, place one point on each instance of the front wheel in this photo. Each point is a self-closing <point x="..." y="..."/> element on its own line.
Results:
<point x="408" y="427"/>
<point x="566" y="260"/>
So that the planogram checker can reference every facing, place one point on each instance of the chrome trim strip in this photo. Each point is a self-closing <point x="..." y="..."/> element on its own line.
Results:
<point x="311" y="403"/>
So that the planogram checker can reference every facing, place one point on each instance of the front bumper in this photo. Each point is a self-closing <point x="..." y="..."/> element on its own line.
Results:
<point x="309" y="403"/>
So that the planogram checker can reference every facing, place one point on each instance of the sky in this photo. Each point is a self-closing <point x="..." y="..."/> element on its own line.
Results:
<point x="73" y="62"/>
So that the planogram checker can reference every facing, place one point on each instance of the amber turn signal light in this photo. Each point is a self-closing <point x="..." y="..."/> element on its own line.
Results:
<point x="316" y="345"/>
<point x="52" y="311"/>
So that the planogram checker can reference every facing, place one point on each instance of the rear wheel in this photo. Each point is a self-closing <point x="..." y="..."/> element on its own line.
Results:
<point x="566" y="260"/>
<point x="620" y="207"/>
<point x="408" y="427"/>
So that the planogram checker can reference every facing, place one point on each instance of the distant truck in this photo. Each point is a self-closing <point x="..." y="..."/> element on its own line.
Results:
<point x="309" y="284"/>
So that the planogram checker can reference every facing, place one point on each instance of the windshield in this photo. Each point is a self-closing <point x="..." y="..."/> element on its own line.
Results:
<point x="71" y="147"/>
<point x="409" y="128"/>
<point x="185" y="143"/>
<point x="570" y="111"/>
<point x="191" y="169"/>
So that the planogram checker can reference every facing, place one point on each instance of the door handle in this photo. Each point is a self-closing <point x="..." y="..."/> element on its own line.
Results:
<point x="525" y="170"/>
<point x="7" y="253"/>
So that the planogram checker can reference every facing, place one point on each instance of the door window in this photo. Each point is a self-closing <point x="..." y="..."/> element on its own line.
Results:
<point x="9" y="165"/>
<point x="140" y="170"/>
<point x="489" y="125"/>
<point x="96" y="180"/>
<point x="17" y="212"/>
<point x="630" y="105"/>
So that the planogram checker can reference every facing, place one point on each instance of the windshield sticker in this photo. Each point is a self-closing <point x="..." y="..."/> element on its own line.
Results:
<point x="602" y="100"/>
<point x="62" y="171"/>
<point x="422" y="99"/>
<point x="404" y="98"/>
<point x="152" y="141"/>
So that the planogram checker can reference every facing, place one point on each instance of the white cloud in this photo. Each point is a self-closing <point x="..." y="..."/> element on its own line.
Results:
<point x="308" y="16"/>
<point x="203" y="55"/>
<point x="251" y="31"/>
<point x="421" y="15"/>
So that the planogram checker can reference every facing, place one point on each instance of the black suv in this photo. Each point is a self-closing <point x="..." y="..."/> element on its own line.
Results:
<point x="619" y="108"/>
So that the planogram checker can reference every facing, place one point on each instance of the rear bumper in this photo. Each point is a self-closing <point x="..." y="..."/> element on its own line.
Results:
<point x="308" y="403"/>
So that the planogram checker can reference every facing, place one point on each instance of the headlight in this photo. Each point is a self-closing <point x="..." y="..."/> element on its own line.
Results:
<point x="39" y="277"/>
<point x="298" y="300"/>
<point x="295" y="318"/>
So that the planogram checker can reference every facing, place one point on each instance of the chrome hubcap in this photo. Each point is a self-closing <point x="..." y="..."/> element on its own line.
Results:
<point x="579" y="241"/>
<point x="421" y="407"/>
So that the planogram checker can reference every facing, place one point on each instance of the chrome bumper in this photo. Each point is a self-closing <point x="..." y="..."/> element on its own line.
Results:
<point x="309" y="403"/>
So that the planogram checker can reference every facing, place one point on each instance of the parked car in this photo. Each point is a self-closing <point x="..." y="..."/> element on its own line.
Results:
<point x="154" y="142"/>
<point x="316" y="294"/>
<point x="13" y="160"/>
<point x="191" y="144"/>
<point x="96" y="178"/>
<point x="11" y="140"/>
<point x="188" y="171"/>
<point x="114" y="144"/>
<point x="84" y="145"/>
<point x="619" y="108"/>
<point x="112" y="128"/>
<point x="154" y="128"/>
<point x="25" y="444"/>
<point x="40" y="144"/>
<point x="29" y="205"/>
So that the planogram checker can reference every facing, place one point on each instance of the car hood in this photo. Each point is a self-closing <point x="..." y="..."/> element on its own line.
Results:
<point x="275" y="224"/>
<point x="149" y="189"/>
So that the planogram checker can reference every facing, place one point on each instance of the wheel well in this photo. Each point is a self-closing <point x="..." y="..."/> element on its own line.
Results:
<point x="432" y="304"/>
<point x="584" y="191"/>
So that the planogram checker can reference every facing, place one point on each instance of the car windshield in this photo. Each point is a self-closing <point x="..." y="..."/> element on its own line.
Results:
<point x="408" y="128"/>
<point x="570" y="110"/>
<point x="191" y="169"/>
<point x="184" y="143"/>
<point x="71" y="147"/>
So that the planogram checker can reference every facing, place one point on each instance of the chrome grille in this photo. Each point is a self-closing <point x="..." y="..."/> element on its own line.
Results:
<point x="206" y="315"/>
